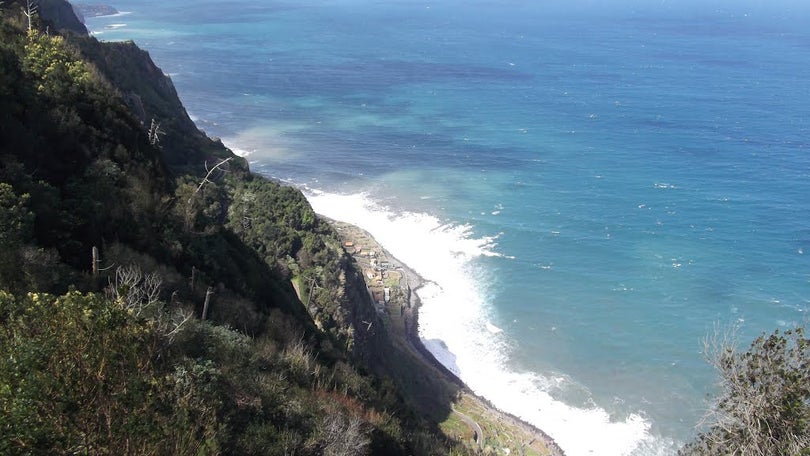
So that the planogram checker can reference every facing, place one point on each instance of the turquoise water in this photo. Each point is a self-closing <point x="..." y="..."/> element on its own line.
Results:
<point x="589" y="188"/>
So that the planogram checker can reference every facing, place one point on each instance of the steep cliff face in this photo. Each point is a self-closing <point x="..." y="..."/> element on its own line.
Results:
<point x="153" y="98"/>
<point x="61" y="16"/>
<point x="341" y="306"/>
<point x="143" y="86"/>
<point x="81" y="172"/>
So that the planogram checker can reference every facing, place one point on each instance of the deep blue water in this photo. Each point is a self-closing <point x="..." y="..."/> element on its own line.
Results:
<point x="595" y="185"/>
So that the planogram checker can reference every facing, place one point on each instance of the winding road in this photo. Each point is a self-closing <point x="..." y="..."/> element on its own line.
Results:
<point x="479" y="433"/>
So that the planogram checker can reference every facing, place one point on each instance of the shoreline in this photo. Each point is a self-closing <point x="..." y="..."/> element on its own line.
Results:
<point x="347" y="232"/>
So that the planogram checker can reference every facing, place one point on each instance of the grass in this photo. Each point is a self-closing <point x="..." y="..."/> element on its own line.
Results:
<point x="392" y="279"/>
<point x="455" y="428"/>
<point x="499" y="434"/>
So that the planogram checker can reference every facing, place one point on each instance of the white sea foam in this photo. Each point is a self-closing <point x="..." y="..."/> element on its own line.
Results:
<point x="240" y="152"/>
<point x="107" y="16"/>
<point x="455" y="326"/>
<point x="493" y="329"/>
<point x="118" y="14"/>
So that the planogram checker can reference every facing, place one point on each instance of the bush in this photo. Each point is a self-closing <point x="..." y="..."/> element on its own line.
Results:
<point x="764" y="403"/>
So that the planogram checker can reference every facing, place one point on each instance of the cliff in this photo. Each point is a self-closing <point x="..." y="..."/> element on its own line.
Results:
<point x="157" y="297"/>
<point x="146" y="283"/>
<point x="151" y="96"/>
<point x="60" y="16"/>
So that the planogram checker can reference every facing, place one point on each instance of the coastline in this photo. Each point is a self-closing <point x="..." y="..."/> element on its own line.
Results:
<point x="548" y="156"/>
<point x="538" y="440"/>
<point x="411" y="339"/>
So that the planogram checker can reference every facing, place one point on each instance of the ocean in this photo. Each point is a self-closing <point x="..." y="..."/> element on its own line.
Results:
<point x="589" y="188"/>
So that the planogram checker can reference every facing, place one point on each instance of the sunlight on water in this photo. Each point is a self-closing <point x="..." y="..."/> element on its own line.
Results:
<point x="587" y="189"/>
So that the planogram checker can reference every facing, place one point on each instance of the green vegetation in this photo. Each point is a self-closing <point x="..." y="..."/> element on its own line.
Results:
<point x="85" y="373"/>
<point x="763" y="407"/>
<point x="498" y="432"/>
<point x="109" y="354"/>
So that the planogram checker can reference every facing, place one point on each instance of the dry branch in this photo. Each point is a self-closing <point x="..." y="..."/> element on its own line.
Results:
<point x="207" y="176"/>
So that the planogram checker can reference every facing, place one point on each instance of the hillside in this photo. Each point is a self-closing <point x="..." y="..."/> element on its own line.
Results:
<point x="147" y="303"/>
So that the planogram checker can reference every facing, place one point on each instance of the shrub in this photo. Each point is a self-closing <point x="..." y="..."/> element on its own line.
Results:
<point x="763" y="407"/>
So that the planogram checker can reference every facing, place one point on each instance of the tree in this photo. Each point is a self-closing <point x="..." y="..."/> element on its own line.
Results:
<point x="763" y="407"/>
<point x="30" y="12"/>
<point x="15" y="219"/>
<point x="16" y="224"/>
<point x="55" y="69"/>
<point x="342" y="434"/>
<point x="206" y="179"/>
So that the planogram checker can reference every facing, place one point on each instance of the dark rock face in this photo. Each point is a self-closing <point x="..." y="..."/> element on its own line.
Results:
<point x="147" y="90"/>
<point x="60" y="15"/>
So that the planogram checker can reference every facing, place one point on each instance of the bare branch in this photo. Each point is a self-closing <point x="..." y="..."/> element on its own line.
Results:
<point x="207" y="176"/>
<point x="342" y="435"/>
<point x="763" y="399"/>
<point x="175" y="324"/>
<point x="151" y="287"/>
<point x="30" y="11"/>
<point x="155" y="132"/>
<point x="138" y="291"/>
